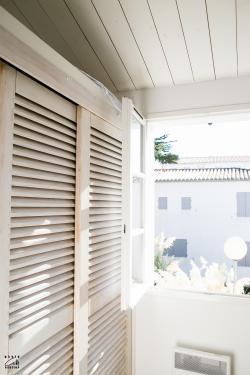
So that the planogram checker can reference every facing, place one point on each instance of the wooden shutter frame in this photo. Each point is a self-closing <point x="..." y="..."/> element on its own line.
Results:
<point x="7" y="102"/>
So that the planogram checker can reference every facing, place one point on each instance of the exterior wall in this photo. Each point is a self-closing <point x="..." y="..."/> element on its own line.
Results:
<point x="165" y="319"/>
<point x="211" y="220"/>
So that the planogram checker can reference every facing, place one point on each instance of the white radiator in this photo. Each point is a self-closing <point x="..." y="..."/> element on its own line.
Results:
<point x="193" y="362"/>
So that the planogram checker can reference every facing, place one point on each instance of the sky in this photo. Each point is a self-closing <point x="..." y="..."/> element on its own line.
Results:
<point x="219" y="139"/>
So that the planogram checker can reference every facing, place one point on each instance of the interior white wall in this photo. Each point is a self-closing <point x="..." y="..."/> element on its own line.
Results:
<point x="164" y="319"/>
<point x="196" y="98"/>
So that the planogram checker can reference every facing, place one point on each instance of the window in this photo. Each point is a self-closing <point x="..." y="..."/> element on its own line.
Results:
<point x="186" y="203"/>
<point x="245" y="262"/>
<point x="162" y="203"/>
<point x="243" y="204"/>
<point x="137" y="253"/>
<point x="178" y="248"/>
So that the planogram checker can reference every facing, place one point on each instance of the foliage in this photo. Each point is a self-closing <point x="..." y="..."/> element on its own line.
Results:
<point x="162" y="149"/>
<point x="158" y="262"/>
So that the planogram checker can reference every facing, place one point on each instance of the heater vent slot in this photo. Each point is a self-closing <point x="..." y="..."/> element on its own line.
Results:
<point x="188" y="362"/>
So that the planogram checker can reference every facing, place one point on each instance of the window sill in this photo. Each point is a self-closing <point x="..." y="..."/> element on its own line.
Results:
<point x="198" y="295"/>
<point x="137" y="292"/>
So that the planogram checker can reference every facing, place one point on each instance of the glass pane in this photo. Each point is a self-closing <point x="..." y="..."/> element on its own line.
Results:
<point x="137" y="221"/>
<point x="136" y="146"/>
<point x="137" y="259"/>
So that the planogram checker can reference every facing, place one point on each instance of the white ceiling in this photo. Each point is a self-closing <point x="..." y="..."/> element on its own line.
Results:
<point x="134" y="44"/>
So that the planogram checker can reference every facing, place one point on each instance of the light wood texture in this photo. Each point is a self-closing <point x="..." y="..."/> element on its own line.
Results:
<point x="222" y="24"/>
<point x="44" y="28"/>
<point x="165" y="15"/>
<point x="124" y="41"/>
<point x="23" y="49"/>
<point x="82" y="242"/>
<point x="85" y="55"/>
<point x="243" y="30"/>
<point x="132" y="44"/>
<point x="194" y="21"/>
<point x="7" y="96"/>
<point x="148" y="41"/>
<point x="107" y="323"/>
<point x="95" y="31"/>
<point x="42" y="245"/>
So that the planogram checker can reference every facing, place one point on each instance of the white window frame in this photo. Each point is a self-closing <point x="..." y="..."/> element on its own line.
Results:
<point x="133" y="291"/>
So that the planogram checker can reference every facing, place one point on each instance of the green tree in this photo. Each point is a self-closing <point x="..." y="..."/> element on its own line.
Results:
<point x="162" y="150"/>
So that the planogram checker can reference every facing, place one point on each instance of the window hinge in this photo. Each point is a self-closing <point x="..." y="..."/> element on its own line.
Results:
<point x="124" y="228"/>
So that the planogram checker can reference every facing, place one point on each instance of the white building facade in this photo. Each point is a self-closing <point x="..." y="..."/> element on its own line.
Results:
<point x="201" y="205"/>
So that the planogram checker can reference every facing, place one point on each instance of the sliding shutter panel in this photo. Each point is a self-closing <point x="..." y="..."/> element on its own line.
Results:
<point x="42" y="238"/>
<point x="107" y="324"/>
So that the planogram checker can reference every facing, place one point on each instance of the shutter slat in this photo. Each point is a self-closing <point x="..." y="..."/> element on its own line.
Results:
<point x="39" y="278"/>
<point x="41" y="184"/>
<point x="32" y="135"/>
<point x="38" y="221"/>
<point x="36" y="288"/>
<point x="40" y="240"/>
<point x="35" y="212"/>
<point x="20" y="141"/>
<point x="23" y="102"/>
<point x="42" y="230"/>
<point x="105" y="151"/>
<point x="40" y="202"/>
<point x="41" y="156"/>
<point x="41" y="126"/>
<point x="106" y="138"/>
<point x="42" y="175"/>
<point x="42" y="166"/>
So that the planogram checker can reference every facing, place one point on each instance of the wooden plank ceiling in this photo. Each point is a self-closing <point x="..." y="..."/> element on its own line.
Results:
<point x="134" y="44"/>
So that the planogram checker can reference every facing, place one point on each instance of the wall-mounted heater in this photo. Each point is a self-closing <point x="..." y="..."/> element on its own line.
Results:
<point x="194" y="362"/>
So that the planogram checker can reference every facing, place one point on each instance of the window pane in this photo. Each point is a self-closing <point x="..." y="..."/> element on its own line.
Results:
<point x="241" y="204"/>
<point x="178" y="248"/>
<point x="137" y="220"/>
<point x="186" y="203"/>
<point x="162" y="203"/>
<point x="137" y="259"/>
<point x="136" y="146"/>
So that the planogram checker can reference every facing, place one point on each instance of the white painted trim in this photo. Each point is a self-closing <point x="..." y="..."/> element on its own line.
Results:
<point x="23" y="49"/>
<point x="132" y="292"/>
<point x="223" y="95"/>
<point x="7" y="102"/>
<point x="127" y="107"/>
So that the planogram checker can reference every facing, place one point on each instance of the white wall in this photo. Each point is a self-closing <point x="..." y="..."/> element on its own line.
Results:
<point x="195" y="98"/>
<point x="164" y="319"/>
<point x="211" y="220"/>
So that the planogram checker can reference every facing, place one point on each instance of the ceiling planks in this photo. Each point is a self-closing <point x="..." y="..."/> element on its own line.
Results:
<point x="243" y="36"/>
<point x="166" y="18"/>
<point x="89" y="21"/>
<point x="86" y="57"/>
<point x="134" y="44"/>
<point x="44" y="28"/>
<point x="222" y="23"/>
<point x="194" y="21"/>
<point x="12" y="8"/>
<point x="147" y="40"/>
<point x="117" y="26"/>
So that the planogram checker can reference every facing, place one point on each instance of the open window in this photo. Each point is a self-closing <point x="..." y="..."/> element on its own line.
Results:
<point x="138" y="229"/>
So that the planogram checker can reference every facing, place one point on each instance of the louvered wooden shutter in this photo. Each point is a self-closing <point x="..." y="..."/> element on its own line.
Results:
<point x="42" y="236"/>
<point x="107" y="324"/>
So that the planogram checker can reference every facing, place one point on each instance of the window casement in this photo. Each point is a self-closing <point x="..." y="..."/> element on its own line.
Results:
<point x="243" y="204"/>
<point x="162" y="203"/>
<point x="138" y="219"/>
<point x="186" y="203"/>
